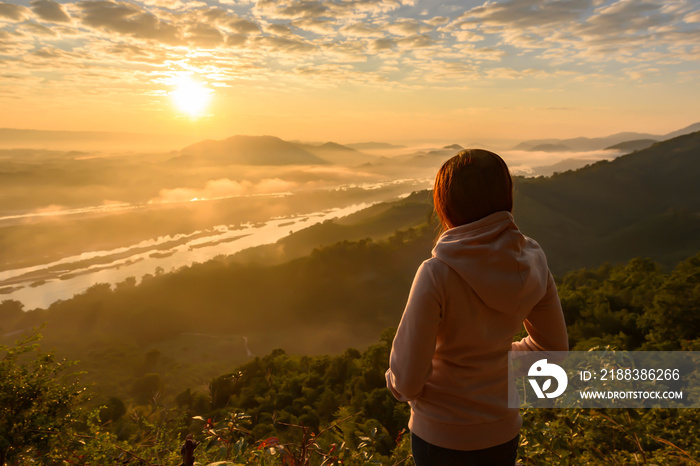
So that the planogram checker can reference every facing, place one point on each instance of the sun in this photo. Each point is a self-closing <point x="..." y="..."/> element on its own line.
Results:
<point x="191" y="97"/>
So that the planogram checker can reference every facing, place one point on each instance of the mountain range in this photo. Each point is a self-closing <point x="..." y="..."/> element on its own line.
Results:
<point x="646" y="203"/>
<point x="269" y="150"/>
<point x="583" y="144"/>
<point x="248" y="150"/>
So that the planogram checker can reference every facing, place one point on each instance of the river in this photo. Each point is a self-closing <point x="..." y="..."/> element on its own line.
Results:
<point x="41" y="285"/>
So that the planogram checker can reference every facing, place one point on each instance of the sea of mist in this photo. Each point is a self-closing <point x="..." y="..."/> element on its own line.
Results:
<point x="227" y="209"/>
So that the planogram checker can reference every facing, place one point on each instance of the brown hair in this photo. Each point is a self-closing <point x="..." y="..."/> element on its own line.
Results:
<point x="472" y="185"/>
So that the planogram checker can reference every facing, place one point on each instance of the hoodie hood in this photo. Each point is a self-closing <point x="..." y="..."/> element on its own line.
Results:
<point x="497" y="261"/>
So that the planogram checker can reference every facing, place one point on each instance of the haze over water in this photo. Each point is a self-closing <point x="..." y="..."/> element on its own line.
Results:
<point x="51" y="282"/>
<point x="42" y="284"/>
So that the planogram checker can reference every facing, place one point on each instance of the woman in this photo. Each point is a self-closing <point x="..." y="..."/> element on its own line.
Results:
<point x="449" y="358"/>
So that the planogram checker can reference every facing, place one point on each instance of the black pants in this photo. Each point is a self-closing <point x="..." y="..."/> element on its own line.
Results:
<point x="427" y="454"/>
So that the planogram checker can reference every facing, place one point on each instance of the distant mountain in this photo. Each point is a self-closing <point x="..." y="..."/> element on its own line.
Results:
<point x="445" y="151"/>
<point x="573" y="163"/>
<point x="646" y="203"/>
<point x="642" y="204"/>
<point x="687" y="130"/>
<point x="583" y="144"/>
<point x="338" y="154"/>
<point x="636" y="144"/>
<point x="373" y="146"/>
<point x="431" y="159"/>
<point x="337" y="147"/>
<point x="248" y="150"/>
<point x="530" y="143"/>
<point x="550" y="148"/>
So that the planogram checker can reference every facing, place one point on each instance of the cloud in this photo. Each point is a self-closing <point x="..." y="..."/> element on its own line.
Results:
<point x="127" y="19"/>
<point x="173" y="4"/>
<point x="297" y="44"/>
<point x="236" y="39"/>
<point x="317" y="26"/>
<point x="203" y="35"/>
<point x="527" y="13"/>
<point x="136" y="53"/>
<point x="292" y="9"/>
<point x="49" y="10"/>
<point x="273" y="185"/>
<point x="223" y="188"/>
<point x="347" y="52"/>
<point x="283" y="44"/>
<point x="297" y="9"/>
<point x="361" y="30"/>
<point x="14" y="44"/>
<point x="622" y="18"/>
<point x="417" y="41"/>
<point x="49" y="53"/>
<point x="304" y="10"/>
<point x="438" y="21"/>
<point x="35" y="28"/>
<point x="373" y="6"/>
<point x="449" y="71"/>
<point x="316" y="175"/>
<point x="630" y="31"/>
<point x="526" y="163"/>
<point x="407" y="27"/>
<point x="327" y="71"/>
<point x="575" y="31"/>
<point x="467" y="36"/>
<point x="244" y="26"/>
<point x="384" y="44"/>
<point x="13" y="12"/>
<point x="279" y="29"/>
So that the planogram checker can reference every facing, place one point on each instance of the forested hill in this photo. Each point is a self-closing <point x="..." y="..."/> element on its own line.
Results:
<point x="646" y="203"/>
<point x="207" y="317"/>
<point x="335" y="409"/>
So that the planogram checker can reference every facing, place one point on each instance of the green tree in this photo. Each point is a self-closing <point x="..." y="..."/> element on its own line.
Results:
<point x="10" y="312"/>
<point x="674" y="315"/>
<point x="37" y="395"/>
<point x="112" y="410"/>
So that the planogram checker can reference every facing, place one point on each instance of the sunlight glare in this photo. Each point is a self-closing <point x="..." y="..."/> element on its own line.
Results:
<point x="191" y="97"/>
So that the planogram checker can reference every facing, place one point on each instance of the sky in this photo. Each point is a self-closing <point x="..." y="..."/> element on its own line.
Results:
<point x="351" y="70"/>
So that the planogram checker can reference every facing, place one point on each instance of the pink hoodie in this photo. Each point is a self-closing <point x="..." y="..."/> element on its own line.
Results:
<point x="449" y="358"/>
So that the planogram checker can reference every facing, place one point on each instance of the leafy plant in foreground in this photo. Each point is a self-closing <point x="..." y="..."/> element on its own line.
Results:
<point x="37" y="396"/>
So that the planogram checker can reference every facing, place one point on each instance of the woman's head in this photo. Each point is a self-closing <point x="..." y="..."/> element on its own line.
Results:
<point x="472" y="185"/>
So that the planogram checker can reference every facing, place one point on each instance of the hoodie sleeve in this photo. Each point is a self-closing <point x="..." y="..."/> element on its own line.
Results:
<point x="414" y="345"/>
<point x="545" y="324"/>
